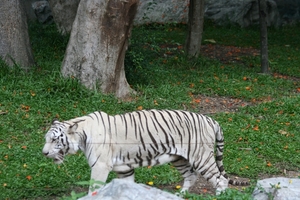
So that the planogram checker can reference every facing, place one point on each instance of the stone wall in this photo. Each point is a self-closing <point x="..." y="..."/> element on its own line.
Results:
<point x="241" y="12"/>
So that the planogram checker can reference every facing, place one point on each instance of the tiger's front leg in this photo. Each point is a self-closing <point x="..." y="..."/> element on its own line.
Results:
<point x="127" y="175"/>
<point x="99" y="173"/>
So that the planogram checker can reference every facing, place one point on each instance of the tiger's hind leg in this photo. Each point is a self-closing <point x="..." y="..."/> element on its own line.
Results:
<point x="127" y="175"/>
<point x="209" y="170"/>
<point x="187" y="172"/>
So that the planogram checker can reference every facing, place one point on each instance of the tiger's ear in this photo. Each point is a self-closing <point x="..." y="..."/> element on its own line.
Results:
<point x="73" y="128"/>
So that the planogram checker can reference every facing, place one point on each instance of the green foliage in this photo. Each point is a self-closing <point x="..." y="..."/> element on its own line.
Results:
<point x="259" y="139"/>
<point x="228" y="194"/>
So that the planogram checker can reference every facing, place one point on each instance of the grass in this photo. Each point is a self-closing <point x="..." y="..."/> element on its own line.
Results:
<point x="261" y="139"/>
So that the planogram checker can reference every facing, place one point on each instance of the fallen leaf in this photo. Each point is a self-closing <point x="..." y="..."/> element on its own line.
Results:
<point x="150" y="183"/>
<point x="192" y="85"/>
<point x="283" y="132"/>
<point x="210" y="41"/>
<point x="29" y="177"/>
<point x="94" y="193"/>
<point x="255" y="128"/>
<point x="32" y="93"/>
<point x="197" y="100"/>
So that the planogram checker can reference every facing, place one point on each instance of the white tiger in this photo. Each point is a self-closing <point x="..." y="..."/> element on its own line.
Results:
<point x="121" y="143"/>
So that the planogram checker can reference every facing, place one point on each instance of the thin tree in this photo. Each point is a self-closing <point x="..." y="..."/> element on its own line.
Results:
<point x="263" y="36"/>
<point x="195" y="27"/>
<point x="96" y="49"/>
<point x="15" y="48"/>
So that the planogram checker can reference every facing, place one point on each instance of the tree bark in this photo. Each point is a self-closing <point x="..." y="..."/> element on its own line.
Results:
<point x="15" y="48"/>
<point x="263" y="37"/>
<point x="64" y="13"/>
<point x="195" y="27"/>
<point x="99" y="38"/>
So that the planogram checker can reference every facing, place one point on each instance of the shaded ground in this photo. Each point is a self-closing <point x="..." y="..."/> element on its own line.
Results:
<point x="227" y="54"/>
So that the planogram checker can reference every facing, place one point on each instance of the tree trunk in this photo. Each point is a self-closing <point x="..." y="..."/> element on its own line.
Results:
<point x="195" y="27"/>
<point x="99" y="38"/>
<point x="15" y="46"/>
<point x="64" y="13"/>
<point x="263" y="36"/>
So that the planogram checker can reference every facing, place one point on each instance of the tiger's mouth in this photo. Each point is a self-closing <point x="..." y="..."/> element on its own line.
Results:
<point x="59" y="158"/>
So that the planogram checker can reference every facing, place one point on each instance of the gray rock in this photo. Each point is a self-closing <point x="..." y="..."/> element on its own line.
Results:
<point x="42" y="11"/>
<point x="126" y="190"/>
<point x="241" y="12"/>
<point x="277" y="189"/>
<point x="161" y="11"/>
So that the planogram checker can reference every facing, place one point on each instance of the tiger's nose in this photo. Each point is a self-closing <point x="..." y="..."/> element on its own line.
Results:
<point x="45" y="153"/>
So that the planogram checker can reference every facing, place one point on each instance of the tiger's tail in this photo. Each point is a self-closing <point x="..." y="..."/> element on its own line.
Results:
<point x="219" y="158"/>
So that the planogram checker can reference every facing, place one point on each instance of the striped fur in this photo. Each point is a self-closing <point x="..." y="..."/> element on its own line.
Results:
<point x="121" y="143"/>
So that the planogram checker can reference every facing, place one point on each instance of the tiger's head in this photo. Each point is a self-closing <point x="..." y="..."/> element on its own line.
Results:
<point x="59" y="141"/>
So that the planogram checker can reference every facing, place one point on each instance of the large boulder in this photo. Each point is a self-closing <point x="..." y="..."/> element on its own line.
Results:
<point x="289" y="11"/>
<point x="241" y="12"/>
<point x="277" y="189"/>
<point x="162" y="11"/>
<point x="121" y="189"/>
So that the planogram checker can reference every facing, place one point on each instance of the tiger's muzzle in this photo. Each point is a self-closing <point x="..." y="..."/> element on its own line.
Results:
<point x="58" y="158"/>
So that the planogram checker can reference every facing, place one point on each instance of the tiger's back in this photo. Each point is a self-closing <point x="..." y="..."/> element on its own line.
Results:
<point x="162" y="132"/>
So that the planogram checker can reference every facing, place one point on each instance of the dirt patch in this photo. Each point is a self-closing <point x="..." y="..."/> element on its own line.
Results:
<point x="216" y="104"/>
<point x="227" y="54"/>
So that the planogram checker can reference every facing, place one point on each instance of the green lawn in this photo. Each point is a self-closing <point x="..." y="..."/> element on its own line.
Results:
<point x="259" y="139"/>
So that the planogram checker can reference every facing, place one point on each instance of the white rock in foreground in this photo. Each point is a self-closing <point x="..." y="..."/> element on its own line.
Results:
<point x="277" y="189"/>
<point x="119" y="189"/>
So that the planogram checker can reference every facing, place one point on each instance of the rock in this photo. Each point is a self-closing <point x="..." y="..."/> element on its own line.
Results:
<point x="288" y="11"/>
<point x="161" y="11"/>
<point x="277" y="189"/>
<point x="42" y="11"/>
<point x="64" y="13"/>
<point x="126" y="190"/>
<point x="241" y="12"/>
